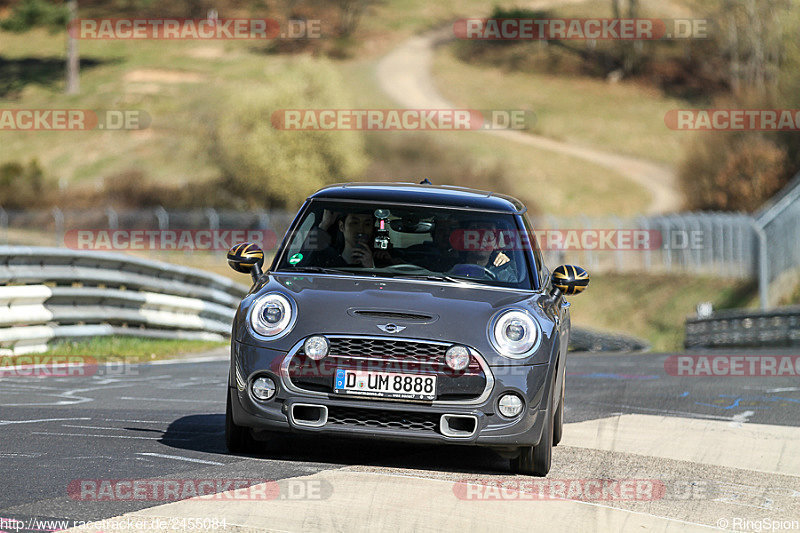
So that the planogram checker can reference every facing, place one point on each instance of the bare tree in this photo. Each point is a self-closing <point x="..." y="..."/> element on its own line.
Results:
<point x="753" y="43"/>
<point x="629" y="52"/>
<point x="350" y="12"/>
<point x="56" y="16"/>
<point x="73" y="59"/>
<point x="615" y="9"/>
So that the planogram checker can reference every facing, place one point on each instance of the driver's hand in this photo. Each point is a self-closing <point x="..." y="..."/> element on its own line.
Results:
<point x="362" y="254"/>
<point x="328" y="218"/>
<point x="501" y="260"/>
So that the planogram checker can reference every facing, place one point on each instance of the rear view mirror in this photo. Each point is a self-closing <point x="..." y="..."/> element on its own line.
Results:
<point x="247" y="258"/>
<point x="411" y="226"/>
<point x="570" y="279"/>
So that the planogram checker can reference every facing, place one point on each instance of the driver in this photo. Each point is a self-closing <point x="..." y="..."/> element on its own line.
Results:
<point x="488" y="256"/>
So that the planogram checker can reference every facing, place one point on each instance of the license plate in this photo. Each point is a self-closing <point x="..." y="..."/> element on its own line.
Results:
<point x="385" y="384"/>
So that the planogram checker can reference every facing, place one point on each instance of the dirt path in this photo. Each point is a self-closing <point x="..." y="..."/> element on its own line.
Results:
<point x="405" y="75"/>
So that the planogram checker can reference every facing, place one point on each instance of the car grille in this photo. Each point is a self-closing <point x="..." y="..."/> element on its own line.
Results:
<point x="388" y="355"/>
<point x="371" y="418"/>
<point x="388" y="348"/>
<point x="391" y="350"/>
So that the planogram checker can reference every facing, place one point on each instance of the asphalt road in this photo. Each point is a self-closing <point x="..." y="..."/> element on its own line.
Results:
<point x="167" y="420"/>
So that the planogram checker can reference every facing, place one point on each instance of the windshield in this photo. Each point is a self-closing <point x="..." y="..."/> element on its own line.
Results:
<point x="408" y="242"/>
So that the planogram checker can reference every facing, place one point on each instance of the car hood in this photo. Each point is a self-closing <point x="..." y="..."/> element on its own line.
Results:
<point x="450" y="312"/>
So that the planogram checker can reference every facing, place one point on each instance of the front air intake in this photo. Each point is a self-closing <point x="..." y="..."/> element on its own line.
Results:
<point x="389" y="315"/>
<point x="460" y="426"/>
<point x="304" y="414"/>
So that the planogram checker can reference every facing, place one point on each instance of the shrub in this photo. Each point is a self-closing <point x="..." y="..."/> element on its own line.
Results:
<point x="23" y="186"/>
<point x="277" y="168"/>
<point x="29" y="13"/>
<point x="732" y="172"/>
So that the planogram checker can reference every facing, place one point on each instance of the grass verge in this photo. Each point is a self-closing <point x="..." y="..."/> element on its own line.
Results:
<point x="132" y="349"/>
<point x="654" y="307"/>
<point x="623" y="118"/>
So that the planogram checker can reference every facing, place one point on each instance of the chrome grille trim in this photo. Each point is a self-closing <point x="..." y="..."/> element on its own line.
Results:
<point x="487" y="391"/>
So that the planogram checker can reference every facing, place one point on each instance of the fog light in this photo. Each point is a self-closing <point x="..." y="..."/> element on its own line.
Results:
<point x="510" y="405"/>
<point x="457" y="357"/>
<point x="316" y="347"/>
<point x="263" y="388"/>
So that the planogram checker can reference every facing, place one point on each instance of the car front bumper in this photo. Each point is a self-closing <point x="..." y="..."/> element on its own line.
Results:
<point x="407" y="421"/>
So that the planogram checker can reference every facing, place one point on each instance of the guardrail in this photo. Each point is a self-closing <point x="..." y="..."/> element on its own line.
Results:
<point x="745" y="328"/>
<point x="52" y="293"/>
<point x="587" y="340"/>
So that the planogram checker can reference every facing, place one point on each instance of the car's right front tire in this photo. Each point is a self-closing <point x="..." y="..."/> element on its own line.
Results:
<point x="558" y="424"/>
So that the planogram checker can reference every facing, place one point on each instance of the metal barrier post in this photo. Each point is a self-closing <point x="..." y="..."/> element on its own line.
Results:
<point x="163" y="218"/>
<point x="58" y="218"/>
<point x="113" y="219"/>
<point x="4" y="224"/>
<point x="763" y="265"/>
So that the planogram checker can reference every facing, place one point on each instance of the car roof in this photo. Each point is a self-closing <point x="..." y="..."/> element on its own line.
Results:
<point x="431" y="195"/>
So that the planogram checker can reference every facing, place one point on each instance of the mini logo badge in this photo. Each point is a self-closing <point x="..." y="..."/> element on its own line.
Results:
<point x="391" y="328"/>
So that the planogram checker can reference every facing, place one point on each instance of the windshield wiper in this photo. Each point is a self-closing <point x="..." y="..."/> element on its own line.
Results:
<point x="427" y="277"/>
<point x="319" y="270"/>
<point x="436" y="277"/>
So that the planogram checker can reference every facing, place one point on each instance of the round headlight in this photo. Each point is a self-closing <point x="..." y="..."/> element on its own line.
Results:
<point x="514" y="334"/>
<point x="510" y="405"/>
<point x="316" y="347"/>
<point x="272" y="315"/>
<point x="457" y="357"/>
<point x="515" y="331"/>
<point x="263" y="388"/>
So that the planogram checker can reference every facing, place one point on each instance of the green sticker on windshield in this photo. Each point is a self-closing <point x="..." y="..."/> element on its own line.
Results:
<point x="296" y="258"/>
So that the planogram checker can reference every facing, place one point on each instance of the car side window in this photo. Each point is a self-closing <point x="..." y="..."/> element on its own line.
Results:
<point x="301" y="234"/>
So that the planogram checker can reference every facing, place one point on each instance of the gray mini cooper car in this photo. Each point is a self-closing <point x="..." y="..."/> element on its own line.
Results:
<point x="407" y="312"/>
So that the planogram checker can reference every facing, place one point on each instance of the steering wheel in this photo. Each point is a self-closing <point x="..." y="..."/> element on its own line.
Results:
<point x="405" y="267"/>
<point x="489" y="274"/>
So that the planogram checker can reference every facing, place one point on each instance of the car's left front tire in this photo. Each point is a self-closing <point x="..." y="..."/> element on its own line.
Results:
<point x="536" y="460"/>
<point x="238" y="439"/>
